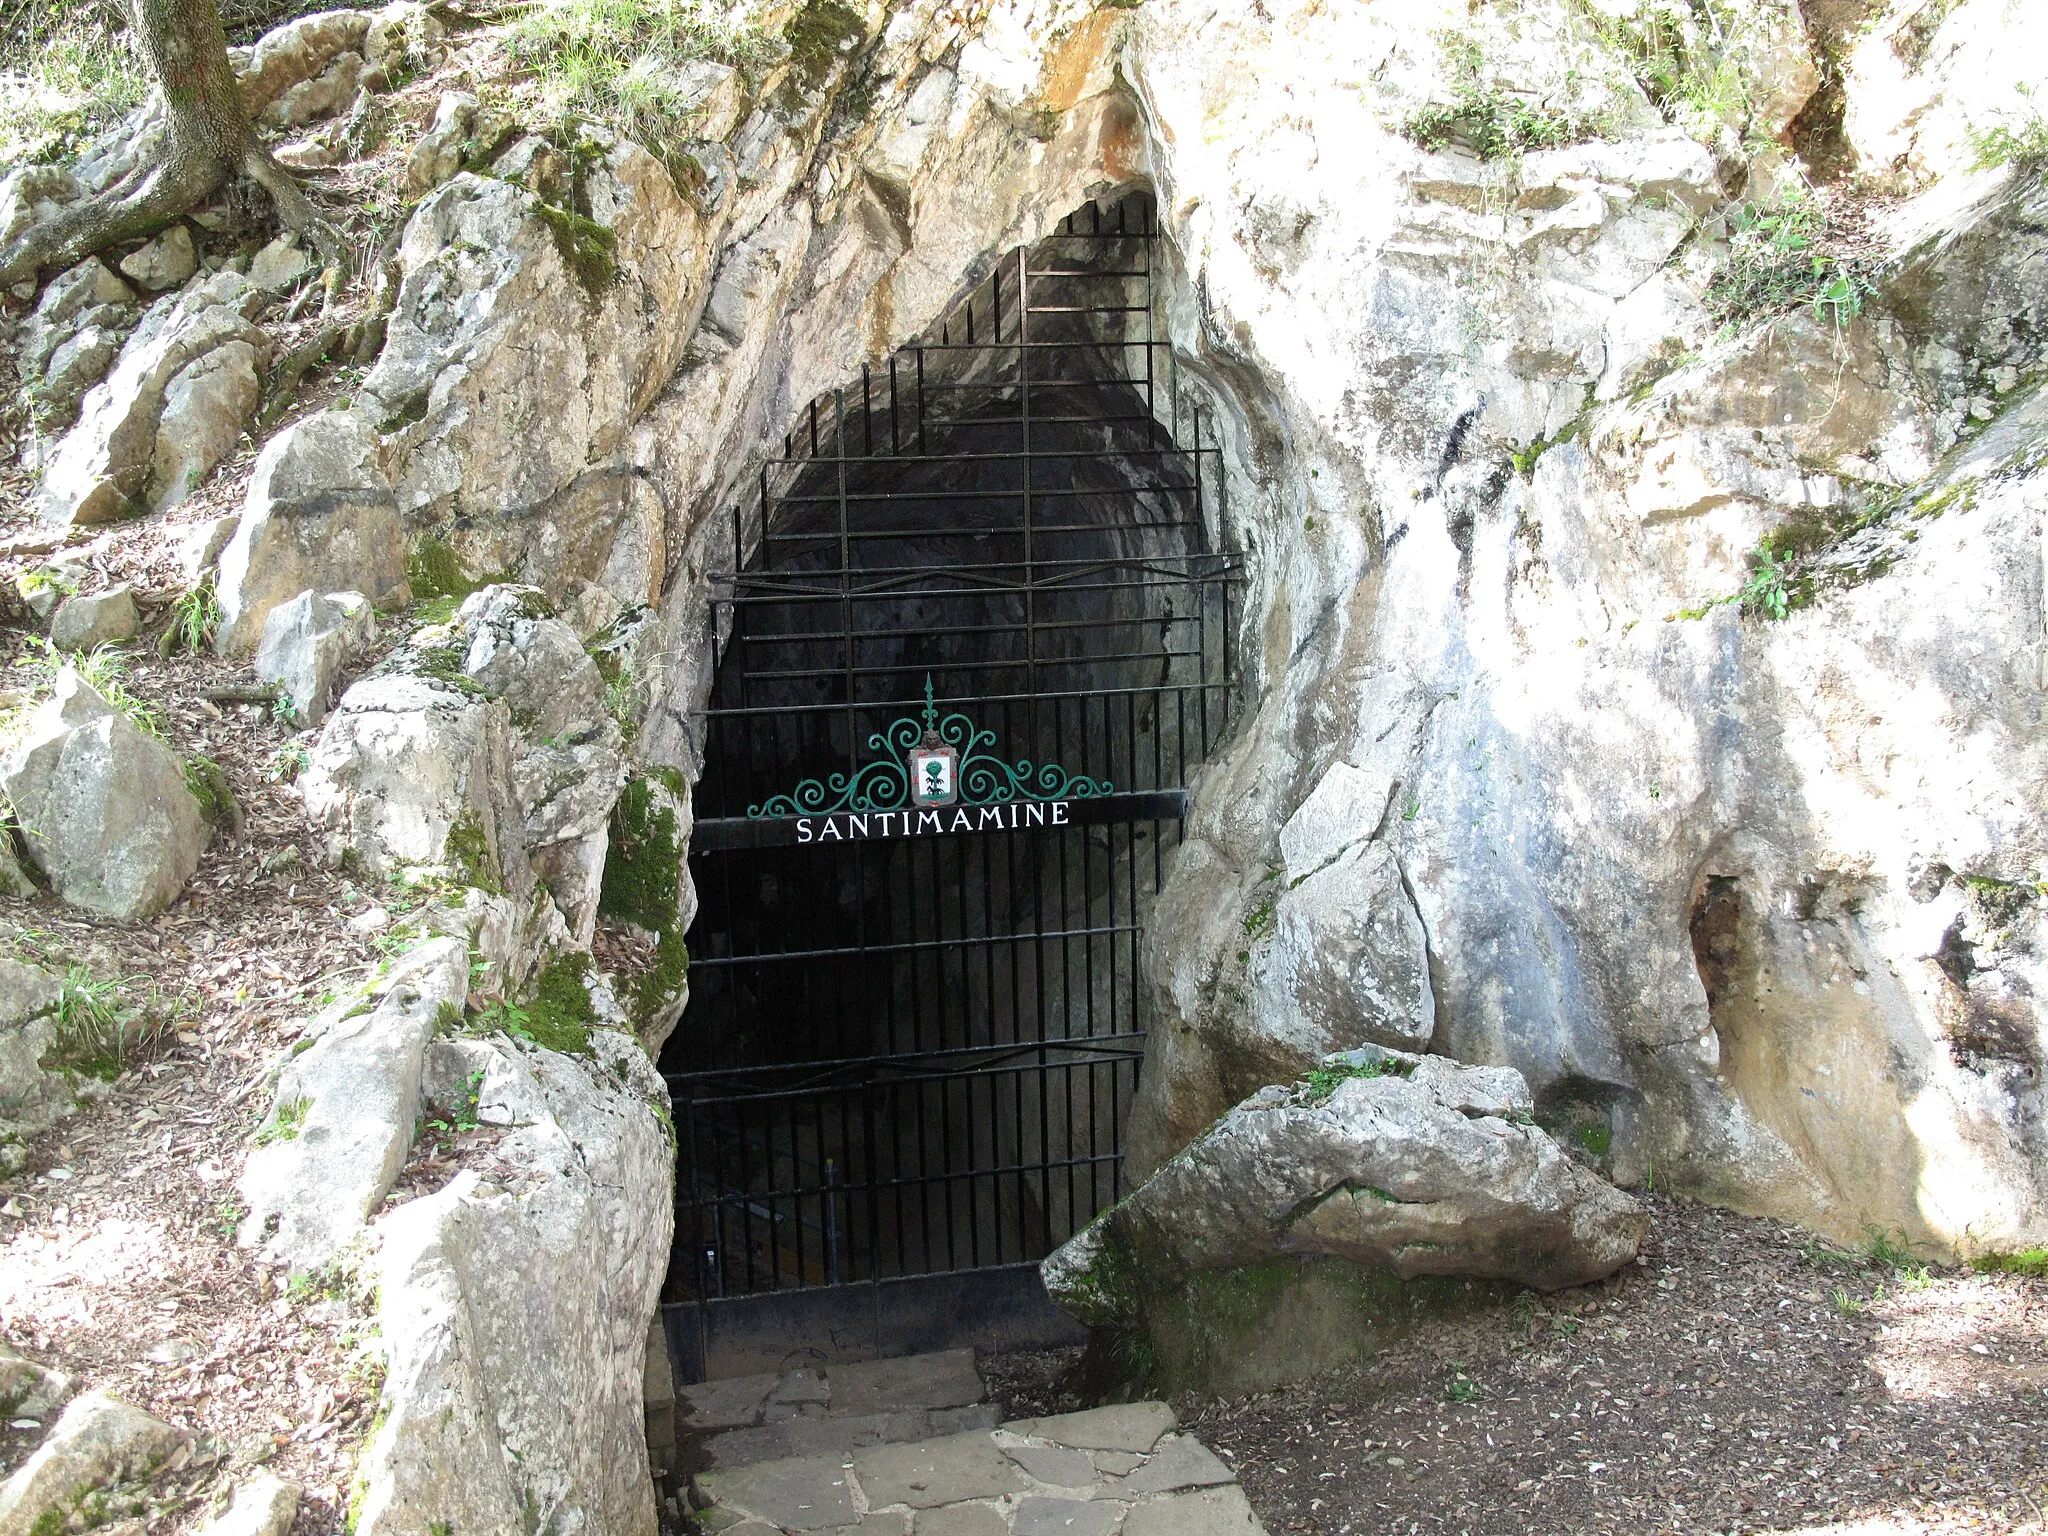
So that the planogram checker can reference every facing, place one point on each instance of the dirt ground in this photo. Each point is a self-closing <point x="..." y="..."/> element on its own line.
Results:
<point x="1744" y="1379"/>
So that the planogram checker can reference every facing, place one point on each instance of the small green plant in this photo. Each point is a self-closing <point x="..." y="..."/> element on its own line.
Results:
<point x="1850" y="1306"/>
<point x="1563" y="1327"/>
<point x="287" y="763"/>
<point x="1764" y="593"/>
<point x="284" y="712"/>
<point x="1258" y="920"/>
<point x="2017" y="140"/>
<point x="103" y="1025"/>
<point x="195" y="616"/>
<point x="103" y="669"/>
<point x="1888" y="1249"/>
<point x="1323" y="1081"/>
<point x="1462" y="1388"/>
<point x="1487" y="119"/>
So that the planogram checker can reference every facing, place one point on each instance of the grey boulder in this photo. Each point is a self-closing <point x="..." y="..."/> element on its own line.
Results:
<point x="168" y="411"/>
<point x="99" y="1440"/>
<point x="1429" y="1168"/>
<point x="105" y="618"/>
<point x="163" y="262"/>
<point x="306" y="643"/>
<point x="319" y="515"/>
<point x="266" y="1505"/>
<point x="105" y="808"/>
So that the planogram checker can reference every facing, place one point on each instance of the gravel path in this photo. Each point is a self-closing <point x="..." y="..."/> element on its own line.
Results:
<point x="1744" y="1379"/>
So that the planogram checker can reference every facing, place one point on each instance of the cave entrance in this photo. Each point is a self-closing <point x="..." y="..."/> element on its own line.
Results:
<point x="977" y="630"/>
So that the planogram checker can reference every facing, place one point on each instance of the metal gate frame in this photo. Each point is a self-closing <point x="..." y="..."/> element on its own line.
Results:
<point x="866" y="1201"/>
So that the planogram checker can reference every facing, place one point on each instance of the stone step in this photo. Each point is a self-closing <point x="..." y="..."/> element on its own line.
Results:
<point x="1123" y="1470"/>
<point x="832" y="1410"/>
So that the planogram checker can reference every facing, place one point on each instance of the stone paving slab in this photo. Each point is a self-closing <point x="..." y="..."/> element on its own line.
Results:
<point x="932" y="1472"/>
<point x="1117" y="1471"/>
<point x="842" y="1434"/>
<point x="946" y="1379"/>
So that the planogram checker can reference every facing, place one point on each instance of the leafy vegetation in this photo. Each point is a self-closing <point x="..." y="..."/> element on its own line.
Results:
<point x="103" y="669"/>
<point x="64" y="76"/>
<point x="104" y="1026"/>
<point x="619" y="62"/>
<point x="2017" y="140"/>
<point x="1320" y="1082"/>
<point x="195" y="616"/>
<point x="1485" y="117"/>
<point x="1683" y="55"/>
<point x="1786" y="257"/>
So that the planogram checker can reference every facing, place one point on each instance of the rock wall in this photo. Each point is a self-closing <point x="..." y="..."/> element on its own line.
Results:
<point x="1718" y="886"/>
<point x="1512" y="781"/>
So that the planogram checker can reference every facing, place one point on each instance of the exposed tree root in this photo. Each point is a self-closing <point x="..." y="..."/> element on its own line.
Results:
<point x="138" y="205"/>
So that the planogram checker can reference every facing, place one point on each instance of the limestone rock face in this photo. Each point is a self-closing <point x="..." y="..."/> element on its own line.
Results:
<point x="482" y="748"/>
<point x="346" y="1103"/>
<point x="513" y="364"/>
<point x="31" y="1098"/>
<point x="75" y="334"/>
<point x="1435" y="1172"/>
<point x="99" y="1440"/>
<point x="307" y="641"/>
<point x="193" y="358"/>
<point x="557" y="1378"/>
<point x="318" y="515"/>
<point x="106" y="813"/>
<point x="413" y="772"/>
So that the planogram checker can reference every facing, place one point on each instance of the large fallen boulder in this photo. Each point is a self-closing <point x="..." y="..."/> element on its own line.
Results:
<point x="105" y="808"/>
<point x="172" y="407"/>
<point x="338" y="1132"/>
<point x="99" y="1441"/>
<point x="1404" y="1169"/>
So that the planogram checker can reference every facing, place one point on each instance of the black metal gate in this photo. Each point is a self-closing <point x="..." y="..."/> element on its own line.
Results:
<point x="977" y="630"/>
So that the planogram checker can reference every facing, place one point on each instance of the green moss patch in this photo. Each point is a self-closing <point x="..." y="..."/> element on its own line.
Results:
<point x="470" y="854"/>
<point x="817" y="36"/>
<point x="643" y="886"/>
<point x="590" y="250"/>
<point x="560" y="1014"/>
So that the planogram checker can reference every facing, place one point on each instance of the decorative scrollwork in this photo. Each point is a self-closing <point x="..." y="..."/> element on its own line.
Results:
<point x="884" y="784"/>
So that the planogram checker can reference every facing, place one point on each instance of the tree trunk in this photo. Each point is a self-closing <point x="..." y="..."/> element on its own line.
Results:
<point x="208" y="138"/>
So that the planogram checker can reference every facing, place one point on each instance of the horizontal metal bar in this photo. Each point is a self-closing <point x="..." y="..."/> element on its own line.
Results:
<point x="735" y="712"/>
<point x="724" y="834"/>
<point x="1128" y="1043"/>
